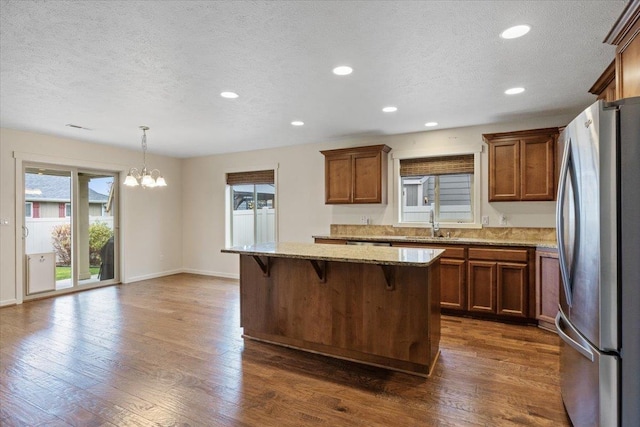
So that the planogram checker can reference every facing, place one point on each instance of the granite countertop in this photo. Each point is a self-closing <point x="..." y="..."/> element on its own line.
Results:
<point x="443" y="240"/>
<point x="382" y="255"/>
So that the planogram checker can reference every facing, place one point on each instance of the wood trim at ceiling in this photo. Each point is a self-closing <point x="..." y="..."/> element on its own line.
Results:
<point x="358" y="150"/>
<point x="494" y="137"/>
<point x="604" y="80"/>
<point x="624" y="23"/>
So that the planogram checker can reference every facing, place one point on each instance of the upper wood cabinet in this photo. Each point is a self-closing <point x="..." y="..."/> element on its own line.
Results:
<point x="356" y="175"/>
<point x="622" y="78"/>
<point x="522" y="165"/>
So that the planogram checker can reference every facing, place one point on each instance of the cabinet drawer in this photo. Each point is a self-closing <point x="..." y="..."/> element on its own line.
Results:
<point x="498" y="254"/>
<point x="449" y="252"/>
<point x="331" y="241"/>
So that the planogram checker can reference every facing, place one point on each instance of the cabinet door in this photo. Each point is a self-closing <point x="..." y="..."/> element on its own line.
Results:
<point x="338" y="179"/>
<point x="366" y="178"/>
<point x="482" y="285"/>
<point x="548" y="283"/>
<point x="452" y="283"/>
<point x="504" y="171"/>
<point x="511" y="289"/>
<point x="537" y="168"/>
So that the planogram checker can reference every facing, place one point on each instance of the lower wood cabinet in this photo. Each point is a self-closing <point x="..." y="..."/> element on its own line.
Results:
<point x="499" y="281"/>
<point x="487" y="281"/>
<point x="548" y="282"/>
<point x="498" y="288"/>
<point x="511" y="289"/>
<point x="482" y="286"/>
<point x="453" y="283"/>
<point x="453" y="275"/>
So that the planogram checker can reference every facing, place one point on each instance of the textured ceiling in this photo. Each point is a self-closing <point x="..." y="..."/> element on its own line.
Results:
<point x="112" y="66"/>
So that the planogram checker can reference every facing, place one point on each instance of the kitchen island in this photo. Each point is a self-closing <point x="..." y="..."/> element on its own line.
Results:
<point x="374" y="305"/>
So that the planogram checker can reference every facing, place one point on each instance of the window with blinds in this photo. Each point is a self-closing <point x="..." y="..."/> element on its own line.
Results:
<point x="252" y="203"/>
<point x="437" y="189"/>
<point x="252" y="177"/>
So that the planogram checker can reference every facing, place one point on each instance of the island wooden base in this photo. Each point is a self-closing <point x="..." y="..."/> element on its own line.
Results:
<point x="387" y="316"/>
<point x="364" y="358"/>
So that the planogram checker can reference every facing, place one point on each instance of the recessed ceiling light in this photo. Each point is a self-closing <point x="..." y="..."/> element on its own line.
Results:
<point x="297" y="123"/>
<point x="514" y="90"/>
<point x="230" y="95"/>
<point x="431" y="124"/>
<point x="342" y="70"/>
<point x="515" y="32"/>
<point x="390" y="109"/>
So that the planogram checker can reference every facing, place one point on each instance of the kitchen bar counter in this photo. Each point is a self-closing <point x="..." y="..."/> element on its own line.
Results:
<point x="374" y="305"/>
<point x="361" y="254"/>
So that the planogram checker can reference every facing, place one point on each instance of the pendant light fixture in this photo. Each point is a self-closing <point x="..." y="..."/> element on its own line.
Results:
<point x="143" y="177"/>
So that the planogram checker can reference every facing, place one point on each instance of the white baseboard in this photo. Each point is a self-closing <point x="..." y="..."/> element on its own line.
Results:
<point x="8" y="302"/>
<point x="212" y="273"/>
<point x="153" y="275"/>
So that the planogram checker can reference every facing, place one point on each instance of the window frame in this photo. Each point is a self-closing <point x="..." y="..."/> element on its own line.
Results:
<point x="477" y="179"/>
<point x="228" y="204"/>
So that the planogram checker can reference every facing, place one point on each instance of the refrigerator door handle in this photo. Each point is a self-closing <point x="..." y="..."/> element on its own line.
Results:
<point x="567" y="260"/>
<point x="581" y="348"/>
<point x="560" y="231"/>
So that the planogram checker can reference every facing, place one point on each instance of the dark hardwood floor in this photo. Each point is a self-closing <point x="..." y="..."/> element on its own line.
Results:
<point x="169" y="352"/>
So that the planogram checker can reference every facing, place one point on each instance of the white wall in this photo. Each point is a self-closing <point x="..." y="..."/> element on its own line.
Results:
<point x="182" y="227"/>
<point x="300" y="191"/>
<point x="151" y="220"/>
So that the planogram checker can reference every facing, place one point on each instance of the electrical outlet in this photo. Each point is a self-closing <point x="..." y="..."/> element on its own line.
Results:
<point x="503" y="219"/>
<point x="364" y="220"/>
<point x="485" y="220"/>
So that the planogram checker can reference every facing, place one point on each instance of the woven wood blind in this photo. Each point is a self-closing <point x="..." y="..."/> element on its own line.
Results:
<point x="253" y="177"/>
<point x="446" y="165"/>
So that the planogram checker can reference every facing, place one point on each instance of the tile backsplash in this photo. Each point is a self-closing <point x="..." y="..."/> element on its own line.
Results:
<point x="493" y="233"/>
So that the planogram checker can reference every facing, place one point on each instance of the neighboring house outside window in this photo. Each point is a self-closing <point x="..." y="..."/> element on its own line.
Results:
<point x="439" y="189"/>
<point x="28" y="209"/>
<point x="50" y="196"/>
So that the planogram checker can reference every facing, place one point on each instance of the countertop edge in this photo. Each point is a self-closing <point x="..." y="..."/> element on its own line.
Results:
<point x="317" y="257"/>
<point x="442" y="241"/>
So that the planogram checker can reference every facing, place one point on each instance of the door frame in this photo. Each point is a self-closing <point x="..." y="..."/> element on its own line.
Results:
<point x="24" y="160"/>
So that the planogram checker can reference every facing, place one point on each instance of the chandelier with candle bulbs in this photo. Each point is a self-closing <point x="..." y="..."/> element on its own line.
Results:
<point x="144" y="177"/>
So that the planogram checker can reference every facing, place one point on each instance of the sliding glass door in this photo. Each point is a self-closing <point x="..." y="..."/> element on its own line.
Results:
<point x="70" y="228"/>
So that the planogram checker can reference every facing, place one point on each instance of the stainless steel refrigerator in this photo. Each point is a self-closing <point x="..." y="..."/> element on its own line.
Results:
<point x="598" y="230"/>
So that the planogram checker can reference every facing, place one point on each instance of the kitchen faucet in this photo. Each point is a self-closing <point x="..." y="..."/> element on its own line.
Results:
<point x="435" y="227"/>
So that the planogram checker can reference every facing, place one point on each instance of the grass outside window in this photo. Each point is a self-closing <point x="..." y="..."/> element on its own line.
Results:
<point x="63" y="273"/>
